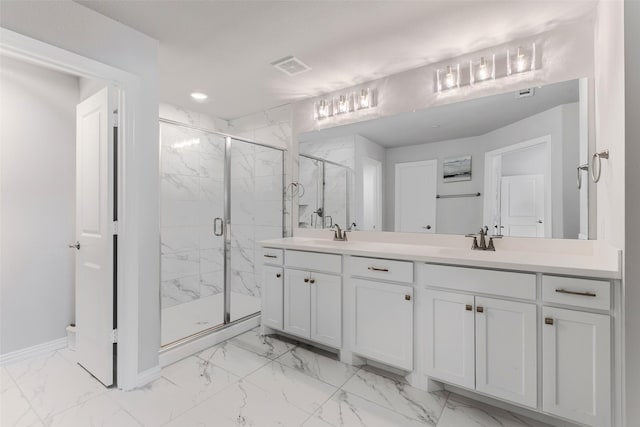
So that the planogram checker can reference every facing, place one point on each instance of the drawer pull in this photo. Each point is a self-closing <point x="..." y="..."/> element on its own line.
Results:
<point x="407" y="297"/>
<point x="312" y="281"/>
<point x="548" y="321"/>
<point x="480" y="309"/>
<point x="584" y="294"/>
<point x="468" y="307"/>
<point x="278" y="275"/>
<point x="270" y="256"/>
<point x="378" y="269"/>
<point x="306" y="280"/>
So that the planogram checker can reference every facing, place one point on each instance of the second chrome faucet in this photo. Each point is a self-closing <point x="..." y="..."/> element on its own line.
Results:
<point x="483" y="245"/>
<point x="339" y="234"/>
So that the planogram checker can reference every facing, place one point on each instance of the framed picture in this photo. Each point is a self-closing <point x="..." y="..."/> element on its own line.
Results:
<point x="457" y="169"/>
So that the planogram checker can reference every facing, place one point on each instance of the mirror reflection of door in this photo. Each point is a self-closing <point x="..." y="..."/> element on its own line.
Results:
<point x="416" y="196"/>
<point x="522" y="205"/>
<point x="371" y="194"/>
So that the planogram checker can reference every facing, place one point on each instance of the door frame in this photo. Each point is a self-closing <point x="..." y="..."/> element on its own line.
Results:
<point x="40" y="53"/>
<point x="492" y="185"/>
<point x="396" y="216"/>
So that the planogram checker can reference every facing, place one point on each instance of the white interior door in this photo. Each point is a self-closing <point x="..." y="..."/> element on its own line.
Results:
<point x="94" y="233"/>
<point x="415" y="204"/>
<point x="522" y="210"/>
<point x="371" y="195"/>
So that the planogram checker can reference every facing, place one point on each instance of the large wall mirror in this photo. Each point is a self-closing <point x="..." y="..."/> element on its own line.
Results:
<point x="513" y="162"/>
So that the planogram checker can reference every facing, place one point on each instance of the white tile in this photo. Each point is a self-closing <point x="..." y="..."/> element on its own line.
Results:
<point x="180" y="161"/>
<point x="244" y="282"/>
<point x="155" y="404"/>
<point x="211" y="260"/>
<point x="295" y="387"/>
<point x="179" y="239"/>
<point x="346" y="409"/>
<point x="211" y="283"/>
<point x="249" y="405"/>
<point x="180" y="290"/>
<point x="315" y="422"/>
<point x="202" y="416"/>
<point x="180" y="264"/>
<point x="100" y="411"/>
<point x="15" y="410"/>
<point x="212" y="190"/>
<point x="198" y="378"/>
<point x="267" y="346"/>
<point x="269" y="187"/>
<point x="234" y="359"/>
<point x="179" y="187"/>
<point x="270" y="213"/>
<point x="318" y="366"/>
<point x="242" y="258"/>
<point x="397" y="396"/>
<point x="268" y="163"/>
<point x="52" y="384"/>
<point x="211" y="165"/>
<point x="5" y="379"/>
<point x="463" y="412"/>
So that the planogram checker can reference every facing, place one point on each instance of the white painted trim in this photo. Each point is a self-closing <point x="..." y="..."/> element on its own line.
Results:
<point x="33" y="351"/>
<point x="35" y="51"/>
<point x="174" y="354"/>
<point x="492" y="184"/>
<point x="148" y="376"/>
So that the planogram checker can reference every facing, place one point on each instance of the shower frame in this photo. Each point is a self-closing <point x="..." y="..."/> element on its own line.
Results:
<point x="226" y="232"/>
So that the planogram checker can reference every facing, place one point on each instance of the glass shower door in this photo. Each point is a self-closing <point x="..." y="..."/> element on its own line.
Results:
<point x="256" y="213"/>
<point x="192" y="243"/>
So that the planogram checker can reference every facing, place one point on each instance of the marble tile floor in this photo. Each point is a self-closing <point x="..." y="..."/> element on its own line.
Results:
<point x="248" y="380"/>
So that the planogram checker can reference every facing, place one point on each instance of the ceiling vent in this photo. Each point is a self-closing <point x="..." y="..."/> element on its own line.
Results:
<point x="525" y="93"/>
<point x="291" y="65"/>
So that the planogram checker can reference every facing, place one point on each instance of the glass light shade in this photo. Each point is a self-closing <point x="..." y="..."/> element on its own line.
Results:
<point x="484" y="69"/>
<point x="342" y="104"/>
<point x="321" y="110"/>
<point x="363" y="99"/>
<point x="448" y="78"/>
<point x="522" y="60"/>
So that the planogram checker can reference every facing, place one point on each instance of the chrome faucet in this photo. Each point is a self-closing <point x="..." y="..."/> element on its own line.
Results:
<point x="483" y="245"/>
<point x="338" y="234"/>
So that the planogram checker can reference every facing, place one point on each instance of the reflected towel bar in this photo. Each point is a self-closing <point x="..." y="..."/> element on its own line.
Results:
<point x="450" y="196"/>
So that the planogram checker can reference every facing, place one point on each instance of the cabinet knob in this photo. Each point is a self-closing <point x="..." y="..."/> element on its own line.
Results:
<point x="306" y="280"/>
<point x="312" y="281"/>
<point x="548" y="321"/>
<point x="480" y="309"/>
<point x="278" y="275"/>
<point x="468" y="307"/>
<point x="407" y="297"/>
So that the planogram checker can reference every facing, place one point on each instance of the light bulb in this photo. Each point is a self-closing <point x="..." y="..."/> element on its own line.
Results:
<point x="482" y="69"/>
<point x="449" y="80"/>
<point x="323" y="110"/>
<point x="364" y="98"/>
<point x="520" y="60"/>
<point x="343" y="106"/>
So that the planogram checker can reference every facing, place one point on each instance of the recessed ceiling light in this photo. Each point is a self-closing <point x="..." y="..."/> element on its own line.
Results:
<point x="199" y="96"/>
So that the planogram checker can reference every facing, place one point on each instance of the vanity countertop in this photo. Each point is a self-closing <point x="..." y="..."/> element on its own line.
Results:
<point x="591" y="259"/>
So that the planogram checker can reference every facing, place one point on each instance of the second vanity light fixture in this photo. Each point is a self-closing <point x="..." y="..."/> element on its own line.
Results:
<point x="342" y="104"/>
<point x="484" y="69"/>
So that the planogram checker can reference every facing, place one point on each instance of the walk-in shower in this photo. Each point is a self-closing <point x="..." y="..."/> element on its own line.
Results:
<point x="324" y="189"/>
<point x="219" y="195"/>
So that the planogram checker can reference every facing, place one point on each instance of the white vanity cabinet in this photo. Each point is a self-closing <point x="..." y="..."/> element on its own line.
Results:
<point x="482" y="343"/>
<point x="313" y="300"/>
<point x="272" y="288"/>
<point x="384" y="322"/>
<point x="576" y="350"/>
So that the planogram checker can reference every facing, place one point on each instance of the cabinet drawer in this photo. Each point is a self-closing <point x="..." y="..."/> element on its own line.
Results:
<point x="272" y="256"/>
<point x="579" y="292"/>
<point x="503" y="283"/>
<point x="314" y="261"/>
<point x="376" y="268"/>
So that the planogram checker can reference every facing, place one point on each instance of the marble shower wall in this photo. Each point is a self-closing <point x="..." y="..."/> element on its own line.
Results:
<point x="192" y="175"/>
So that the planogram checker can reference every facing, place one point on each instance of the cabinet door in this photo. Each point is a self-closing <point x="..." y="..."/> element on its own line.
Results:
<point x="384" y="322"/>
<point x="506" y="362"/>
<point x="297" y="301"/>
<point x="326" y="309"/>
<point x="272" y="296"/>
<point x="576" y="365"/>
<point x="450" y="338"/>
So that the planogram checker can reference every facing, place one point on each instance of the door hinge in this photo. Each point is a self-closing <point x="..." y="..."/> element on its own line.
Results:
<point x="114" y="228"/>
<point x="114" y="336"/>
<point x="115" y="118"/>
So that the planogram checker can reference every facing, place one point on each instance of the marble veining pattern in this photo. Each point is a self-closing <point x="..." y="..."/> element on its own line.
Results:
<point x="249" y="380"/>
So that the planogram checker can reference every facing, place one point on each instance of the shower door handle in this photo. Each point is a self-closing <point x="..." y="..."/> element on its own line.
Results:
<point x="218" y="227"/>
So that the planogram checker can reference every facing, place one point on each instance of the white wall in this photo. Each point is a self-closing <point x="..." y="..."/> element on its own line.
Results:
<point x="73" y="27"/>
<point x="632" y="197"/>
<point x="37" y="203"/>
<point x="465" y="215"/>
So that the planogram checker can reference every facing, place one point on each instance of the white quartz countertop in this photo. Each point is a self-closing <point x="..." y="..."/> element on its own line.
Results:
<point x="594" y="261"/>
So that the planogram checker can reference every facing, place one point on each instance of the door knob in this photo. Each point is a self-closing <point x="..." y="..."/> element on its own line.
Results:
<point x="539" y="221"/>
<point x="76" y="245"/>
<point x="427" y="227"/>
<point x="278" y="275"/>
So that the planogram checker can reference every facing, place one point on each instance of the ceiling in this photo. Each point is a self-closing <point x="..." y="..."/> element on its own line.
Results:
<point x="452" y="121"/>
<point x="225" y="48"/>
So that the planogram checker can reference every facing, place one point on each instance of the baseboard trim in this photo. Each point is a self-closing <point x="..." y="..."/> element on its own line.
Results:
<point x="33" y="351"/>
<point x="148" y="376"/>
<point x="174" y="354"/>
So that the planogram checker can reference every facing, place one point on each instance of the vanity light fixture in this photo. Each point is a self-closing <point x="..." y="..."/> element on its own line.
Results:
<point x="524" y="60"/>
<point x="483" y="70"/>
<point x="343" y="104"/>
<point x="199" y="96"/>
<point x="451" y="77"/>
